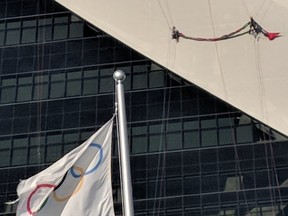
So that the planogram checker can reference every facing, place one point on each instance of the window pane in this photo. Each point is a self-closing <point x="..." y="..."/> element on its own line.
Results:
<point x="45" y="33"/>
<point x="57" y="89"/>
<point x="73" y="87"/>
<point x="191" y="185"/>
<point x="20" y="142"/>
<point x="24" y="93"/>
<point x="4" y="158"/>
<point x="244" y="134"/>
<point x="208" y="138"/>
<point x="173" y="187"/>
<point x="13" y="37"/>
<point x="140" y="81"/>
<point x="28" y="35"/>
<point x="76" y="30"/>
<point x="19" y="156"/>
<point x="174" y="141"/>
<point x="5" y="126"/>
<point x="1" y="38"/>
<point x="156" y="79"/>
<point x="36" y="155"/>
<point x="29" y="23"/>
<point x="26" y="64"/>
<point x="5" y="143"/>
<point x="90" y="86"/>
<point x="53" y="153"/>
<point x="8" y="82"/>
<point x="155" y="143"/>
<point x="191" y="139"/>
<point x="225" y="136"/>
<point x="54" y="139"/>
<point x="139" y="144"/>
<point x="13" y="24"/>
<point x="106" y="84"/>
<point x="40" y="91"/>
<point x="54" y="122"/>
<point x="8" y="94"/>
<point x="21" y="125"/>
<point x="60" y="32"/>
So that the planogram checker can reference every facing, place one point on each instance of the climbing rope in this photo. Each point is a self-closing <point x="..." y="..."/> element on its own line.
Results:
<point x="255" y="30"/>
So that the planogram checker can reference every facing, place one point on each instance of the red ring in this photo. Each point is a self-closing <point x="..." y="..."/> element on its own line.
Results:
<point x="33" y="192"/>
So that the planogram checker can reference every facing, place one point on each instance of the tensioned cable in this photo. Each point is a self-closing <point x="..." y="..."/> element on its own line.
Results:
<point x="246" y="8"/>
<point x="261" y="88"/>
<point x="261" y="7"/>
<point x="276" y="175"/>
<point x="217" y="51"/>
<point x="238" y="167"/>
<point x="163" y="154"/>
<point x="39" y="79"/>
<point x="168" y="22"/>
<point x="269" y="175"/>
<point x="171" y="54"/>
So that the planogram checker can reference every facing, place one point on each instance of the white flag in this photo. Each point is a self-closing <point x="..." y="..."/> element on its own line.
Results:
<point x="77" y="184"/>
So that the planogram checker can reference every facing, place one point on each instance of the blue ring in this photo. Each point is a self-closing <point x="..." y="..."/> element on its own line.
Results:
<point x="75" y="175"/>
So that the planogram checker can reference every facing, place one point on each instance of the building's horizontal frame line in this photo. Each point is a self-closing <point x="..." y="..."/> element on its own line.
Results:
<point x="72" y="68"/>
<point x="35" y="15"/>
<point x="54" y="41"/>
<point x="129" y="123"/>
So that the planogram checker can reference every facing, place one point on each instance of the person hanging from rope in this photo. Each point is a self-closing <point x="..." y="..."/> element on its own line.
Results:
<point x="176" y="35"/>
<point x="255" y="29"/>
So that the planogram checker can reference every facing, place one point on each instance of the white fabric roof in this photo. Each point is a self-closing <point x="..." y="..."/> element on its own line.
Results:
<point x="247" y="72"/>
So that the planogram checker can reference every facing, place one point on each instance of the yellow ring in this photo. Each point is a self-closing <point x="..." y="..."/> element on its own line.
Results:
<point x="61" y="199"/>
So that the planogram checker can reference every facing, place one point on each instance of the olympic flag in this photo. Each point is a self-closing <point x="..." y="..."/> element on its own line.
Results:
<point x="77" y="184"/>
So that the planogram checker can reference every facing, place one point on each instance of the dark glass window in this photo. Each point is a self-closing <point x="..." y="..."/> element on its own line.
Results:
<point x="76" y="27"/>
<point x="53" y="153"/>
<point x="139" y="80"/>
<point x="244" y="133"/>
<point x="12" y="36"/>
<point x="24" y="90"/>
<point x="5" y="143"/>
<point x="54" y="122"/>
<point x="139" y="139"/>
<point x="191" y="185"/>
<point x="19" y="156"/>
<point x="28" y="35"/>
<point x="226" y="136"/>
<point x="60" y="30"/>
<point x="36" y="155"/>
<point x="106" y="84"/>
<point x="44" y="33"/>
<point x="2" y="36"/>
<point x="8" y="91"/>
<point x="57" y="85"/>
<point x="208" y="137"/>
<point x="4" y="158"/>
<point x="73" y="87"/>
<point x="173" y="187"/>
<point x="90" y="81"/>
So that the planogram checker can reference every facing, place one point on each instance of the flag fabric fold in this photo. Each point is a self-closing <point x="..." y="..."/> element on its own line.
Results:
<point x="77" y="184"/>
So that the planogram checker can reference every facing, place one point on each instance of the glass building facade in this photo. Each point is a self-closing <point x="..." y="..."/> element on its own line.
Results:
<point x="191" y="153"/>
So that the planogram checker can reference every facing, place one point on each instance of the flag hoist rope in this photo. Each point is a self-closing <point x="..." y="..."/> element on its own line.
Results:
<point x="124" y="156"/>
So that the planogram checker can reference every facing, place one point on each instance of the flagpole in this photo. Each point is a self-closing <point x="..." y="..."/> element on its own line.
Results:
<point x="124" y="157"/>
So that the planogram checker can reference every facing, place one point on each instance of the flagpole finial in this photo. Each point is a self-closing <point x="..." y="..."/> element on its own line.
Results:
<point x="119" y="76"/>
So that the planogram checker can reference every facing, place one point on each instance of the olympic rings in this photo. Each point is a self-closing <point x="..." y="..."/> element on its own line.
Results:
<point x="61" y="199"/>
<point x="75" y="175"/>
<point x="28" y="206"/>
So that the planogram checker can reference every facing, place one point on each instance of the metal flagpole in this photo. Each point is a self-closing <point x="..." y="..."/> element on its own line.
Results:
<point x="119" y="76"/>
